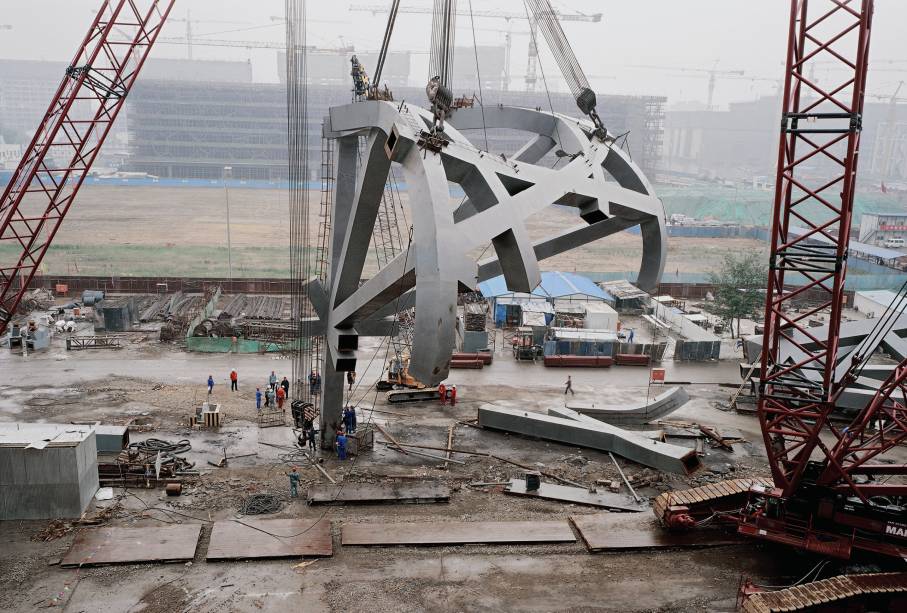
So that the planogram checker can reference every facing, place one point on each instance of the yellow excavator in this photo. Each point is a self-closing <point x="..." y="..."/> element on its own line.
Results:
<point x="402" y="387"/>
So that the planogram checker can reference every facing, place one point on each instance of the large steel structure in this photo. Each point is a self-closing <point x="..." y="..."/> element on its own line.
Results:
<point x="44" y="186"/>
<point x="598" y="181"/>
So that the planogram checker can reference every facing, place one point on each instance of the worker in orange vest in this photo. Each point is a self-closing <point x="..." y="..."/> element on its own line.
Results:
<point x="453" y="395"/>
<point x="442" y="389"/>
<point x="234" y="381"/>
<point x="281" y="396"/>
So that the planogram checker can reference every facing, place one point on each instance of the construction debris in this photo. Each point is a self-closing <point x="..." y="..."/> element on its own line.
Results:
<point x="573" y="495"/>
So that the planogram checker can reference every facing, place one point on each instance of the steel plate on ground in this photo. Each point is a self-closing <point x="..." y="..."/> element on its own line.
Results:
<point x="97" y="546"/>
<point x="457" y="533"/>
<point x="610" y="532"/>
<point x="576" y="495"/>
<point x="365" y="493"/>
<point x="270" y="538"/>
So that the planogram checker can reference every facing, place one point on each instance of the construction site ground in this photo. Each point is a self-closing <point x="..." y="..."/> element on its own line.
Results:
<point x="153" y="231"/>
<point x="156" y="388"/>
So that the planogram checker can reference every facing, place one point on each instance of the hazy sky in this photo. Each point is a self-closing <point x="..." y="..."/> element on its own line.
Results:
<point x="748" y="35"/>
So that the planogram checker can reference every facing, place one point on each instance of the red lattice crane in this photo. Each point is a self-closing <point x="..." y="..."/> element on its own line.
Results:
<point x="837" y="486"/>
<point x="66" y="143"/>
<point x="832" y="492"/>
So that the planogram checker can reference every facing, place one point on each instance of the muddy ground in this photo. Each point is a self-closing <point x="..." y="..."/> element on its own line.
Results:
<point x="158" y="386"/>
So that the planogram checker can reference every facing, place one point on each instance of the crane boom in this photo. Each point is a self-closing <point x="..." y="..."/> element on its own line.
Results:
<point x="546" y="19"/>
<point x="44" y="185"/>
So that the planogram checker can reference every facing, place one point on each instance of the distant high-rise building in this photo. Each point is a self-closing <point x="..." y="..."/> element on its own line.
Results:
<point x="189" y="119"/>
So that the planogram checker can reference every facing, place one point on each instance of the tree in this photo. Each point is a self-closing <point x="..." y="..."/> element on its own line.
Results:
<point x="739" y="288"/>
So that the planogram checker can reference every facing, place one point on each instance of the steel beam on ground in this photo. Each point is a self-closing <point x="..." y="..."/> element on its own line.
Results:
<point x="603" y="437"/>
<point x="637" y="413"/>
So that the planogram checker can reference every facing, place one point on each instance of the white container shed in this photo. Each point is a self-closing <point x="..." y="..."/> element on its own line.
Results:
<point x="47" y="471"/>
<point x="600" y="316"/>
<point x="874" y="303"/>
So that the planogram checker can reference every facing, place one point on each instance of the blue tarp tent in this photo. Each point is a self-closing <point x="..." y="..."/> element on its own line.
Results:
<point x="553" y="285"/>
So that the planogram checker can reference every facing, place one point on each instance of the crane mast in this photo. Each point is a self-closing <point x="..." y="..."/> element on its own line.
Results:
<point x="831" y="494"/>
<point x="66" y="143"/>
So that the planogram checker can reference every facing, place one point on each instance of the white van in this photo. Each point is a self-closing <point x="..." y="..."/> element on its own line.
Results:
<point x="894" y="243"/>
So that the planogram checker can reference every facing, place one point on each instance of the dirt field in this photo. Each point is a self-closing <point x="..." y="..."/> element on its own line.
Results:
<point x="161" y="385"/>
<point x="150" y="231"/>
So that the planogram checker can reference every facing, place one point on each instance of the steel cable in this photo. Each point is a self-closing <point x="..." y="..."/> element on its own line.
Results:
<point x="260" y="504"/>
<point x="154" y="445"/>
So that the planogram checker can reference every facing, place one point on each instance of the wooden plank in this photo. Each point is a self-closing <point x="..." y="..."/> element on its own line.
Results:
<point x="458" y="533"/>
<point x="449" y="442"/>
<point x="269" y="538"/>
<point x="615" y="532"/>
<point x="389" y="437"/>
<point x="576" y="495"/>
<point x="98" y="546"/>
<point x="365" y="493"/>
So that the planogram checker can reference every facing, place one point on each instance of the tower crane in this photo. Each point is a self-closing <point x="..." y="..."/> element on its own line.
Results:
<point x="532" y="59"/>
<point x="712" y="74"/>
<point x="190" y="34"/>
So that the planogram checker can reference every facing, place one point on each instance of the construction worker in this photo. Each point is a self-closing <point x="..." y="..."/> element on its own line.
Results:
<point x="312" y="438"/>
<point x="442" y="390"/>
<point x="258" y="399"/>
<point x="353" y="418"/>
<point x="341" y="445"/>
<point x="285" y="384"/>
<point x="312" y="383"/>
<point x="453" y="395"/>
<point x="210" y="384"/>
<point x="569" y="388"/>
<point x="294" y="482"/>
<point x="272" y="380"/>
<point x="234" y="381"/>
<point x="281" y="396"/>
<point x="270" y="396"/>
<point x="350" y="378"/>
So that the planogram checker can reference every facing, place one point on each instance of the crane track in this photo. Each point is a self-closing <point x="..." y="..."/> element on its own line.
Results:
<point x="887" y="590"/>
<point x="703" y="500"/>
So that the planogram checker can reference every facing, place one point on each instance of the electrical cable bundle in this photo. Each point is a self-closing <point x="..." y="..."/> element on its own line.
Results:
<point x="153" y="445"/>
<point x="260" y="504"/>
